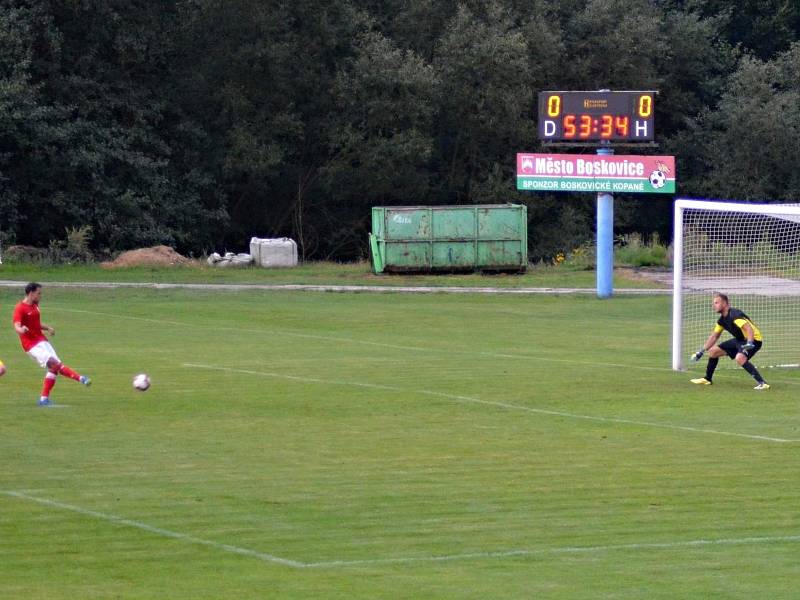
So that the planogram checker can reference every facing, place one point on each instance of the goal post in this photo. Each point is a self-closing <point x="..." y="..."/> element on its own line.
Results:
<point x="751" y="252"/>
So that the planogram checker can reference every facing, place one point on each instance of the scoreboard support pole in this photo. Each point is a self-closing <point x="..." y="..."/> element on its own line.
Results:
<point x="605" y="238"/>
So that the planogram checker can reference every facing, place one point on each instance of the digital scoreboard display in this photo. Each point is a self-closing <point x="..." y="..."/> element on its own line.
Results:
<point x="594" y="116"/>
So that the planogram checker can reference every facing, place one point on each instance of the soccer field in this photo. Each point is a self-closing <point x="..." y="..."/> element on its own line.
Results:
<point x="309" y="445"/>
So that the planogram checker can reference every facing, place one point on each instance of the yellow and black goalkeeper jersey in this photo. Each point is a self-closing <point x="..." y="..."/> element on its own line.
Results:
<point x="733" y="324"/>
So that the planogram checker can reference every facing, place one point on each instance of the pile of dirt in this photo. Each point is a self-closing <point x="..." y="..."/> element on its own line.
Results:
<point x="159" y="256"/>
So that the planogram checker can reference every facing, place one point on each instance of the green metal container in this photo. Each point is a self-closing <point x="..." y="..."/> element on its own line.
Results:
<point x="489" y="237"/>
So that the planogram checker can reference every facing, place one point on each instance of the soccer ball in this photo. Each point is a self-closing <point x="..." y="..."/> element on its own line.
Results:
<point x="658" y="179"/>
<point x="2" y="368"/>
<point x="141" y="382"/>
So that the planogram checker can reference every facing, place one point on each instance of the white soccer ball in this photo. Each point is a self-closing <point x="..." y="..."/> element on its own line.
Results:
<point x="141" y="382"/>
<point x="658" y="179"/>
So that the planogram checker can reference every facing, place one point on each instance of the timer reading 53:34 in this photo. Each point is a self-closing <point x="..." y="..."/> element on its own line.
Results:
<point x="590" y="116"/>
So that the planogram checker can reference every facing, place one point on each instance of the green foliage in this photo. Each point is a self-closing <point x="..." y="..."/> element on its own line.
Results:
<point x="75" y="248"/>
<point x="632" y="250"/>
<point x="617" y="44"/>
<point x="381" y="144"/>
<point x="583" y="256"/>
<point x="483" y="63"/>
<point x="89" y="141"/>
<point x="203" y="123"/>
<point x="557" y="226"/>
<point x="747" y="141"/>
<point x="763" y="27"/>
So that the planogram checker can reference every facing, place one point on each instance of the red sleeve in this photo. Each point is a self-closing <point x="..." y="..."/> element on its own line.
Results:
<point x="17" y="318"/>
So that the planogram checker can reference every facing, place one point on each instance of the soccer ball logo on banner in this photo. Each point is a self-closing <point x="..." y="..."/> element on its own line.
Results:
<point x="658" y="179"/>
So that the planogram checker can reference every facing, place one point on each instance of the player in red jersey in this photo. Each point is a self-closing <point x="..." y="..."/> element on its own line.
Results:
<point x="27" y="323"/>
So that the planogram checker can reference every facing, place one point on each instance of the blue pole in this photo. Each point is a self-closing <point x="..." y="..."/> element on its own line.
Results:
<point x="605" y="238"/>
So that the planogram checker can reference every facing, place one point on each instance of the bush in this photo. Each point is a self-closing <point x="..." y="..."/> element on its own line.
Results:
<point x="73" y="249"/>
<point x="24" y="254"/>
<point x="631" y="251"/>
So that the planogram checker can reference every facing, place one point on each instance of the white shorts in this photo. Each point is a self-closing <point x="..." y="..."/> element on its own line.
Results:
<point x="42" y="352"/>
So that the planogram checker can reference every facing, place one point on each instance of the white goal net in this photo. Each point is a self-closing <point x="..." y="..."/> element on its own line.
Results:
<point x="751" y="252"/>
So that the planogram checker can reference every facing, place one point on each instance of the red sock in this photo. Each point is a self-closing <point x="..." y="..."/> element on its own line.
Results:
<point x="65" y="370"/>
<point x="47" y="386"/>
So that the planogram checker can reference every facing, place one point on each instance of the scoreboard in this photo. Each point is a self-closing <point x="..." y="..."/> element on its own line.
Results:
<point x="624" y="116"/>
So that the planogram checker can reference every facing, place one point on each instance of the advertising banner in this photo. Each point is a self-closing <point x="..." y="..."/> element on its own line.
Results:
<point x="615" y="174"/>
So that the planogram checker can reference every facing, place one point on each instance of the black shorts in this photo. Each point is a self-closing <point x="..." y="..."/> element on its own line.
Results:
<point x="733" y="346"/>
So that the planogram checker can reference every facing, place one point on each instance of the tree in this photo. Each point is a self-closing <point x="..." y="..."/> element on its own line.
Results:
<point x="98" y="146"/>
<point x="763" y="28"/>
<point x="486" y="98"/>
<point x="29" y="125"/>
<point x="260" y="76"/>
<point x="750" y="139"/>
<point x="381" y="143"/>
<point x="411" y="25"/>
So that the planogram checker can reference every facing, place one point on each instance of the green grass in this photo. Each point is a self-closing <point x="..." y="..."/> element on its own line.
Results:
<point x="321" y="273"/>
<point x="541" y="444"/>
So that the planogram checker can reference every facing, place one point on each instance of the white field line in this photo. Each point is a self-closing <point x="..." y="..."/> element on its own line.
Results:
<point x="560" y="550"/>
<point x="400" y="559"/>
<point x="156" y="530"/>
<point x="495" y="403"/>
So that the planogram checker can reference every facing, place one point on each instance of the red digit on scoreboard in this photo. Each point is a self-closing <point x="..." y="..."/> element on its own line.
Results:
<point x="622" y="126"/>
<point x="569" y="126"/>
<point x="585" y="126"/>
<point x="606" y="126"/>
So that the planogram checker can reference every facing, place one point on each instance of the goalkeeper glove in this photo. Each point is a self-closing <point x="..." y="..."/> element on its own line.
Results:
<point x="698" y="355"/>
<point x="747" y="348"/>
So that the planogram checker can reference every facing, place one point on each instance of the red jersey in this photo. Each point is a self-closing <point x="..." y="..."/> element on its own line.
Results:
<point x="28" y="315"/>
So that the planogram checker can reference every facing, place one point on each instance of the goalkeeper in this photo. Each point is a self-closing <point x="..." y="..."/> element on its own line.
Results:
<point x="746" y="342"/>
